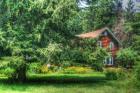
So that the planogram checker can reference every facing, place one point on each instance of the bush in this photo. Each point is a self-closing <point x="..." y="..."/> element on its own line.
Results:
<point x="77" y="70"/>
<point x="34" y="68"/>
<point x="7" y="71"/>
<point x="95" y="59"/>
<point x="9" y="65"/>
<point x="50" y="54"/>
<point x="110" y="74"/>
<point x="137" y="75"/>
<point x="126" y="57"/>
<point x="44" y="69"/>
<point x="115" y="73"/>
<point x="51" y="69"/>
<point x="66" y="64"/>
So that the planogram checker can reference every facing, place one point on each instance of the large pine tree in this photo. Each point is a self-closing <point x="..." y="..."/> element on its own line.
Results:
<point x="27" y="25"/>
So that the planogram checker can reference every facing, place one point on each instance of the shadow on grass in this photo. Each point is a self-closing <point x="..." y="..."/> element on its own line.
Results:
<point x="60" y="79"/>
<point x="51" y="84"/>
<point x="66" y="78"/>
<point x="56" y="82"/>
<point x="66" y="82"/>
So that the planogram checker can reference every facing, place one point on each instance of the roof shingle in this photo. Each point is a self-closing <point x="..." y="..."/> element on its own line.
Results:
<point x="94" y="34"/>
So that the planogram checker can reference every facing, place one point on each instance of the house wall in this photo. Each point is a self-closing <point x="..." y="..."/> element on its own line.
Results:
<point x="106" y="40"/>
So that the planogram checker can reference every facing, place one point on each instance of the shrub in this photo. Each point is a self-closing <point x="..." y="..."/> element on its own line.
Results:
<point x="95" y="59"/>
<point x="110" y="74"/>
<point x="77" y="70"/>
<point x="50" y="54"/>
<point x="46" y="69"/>
<point x="137" y="75"/>
<point x="72" y="55"/>
<point x="66" y="63"/>
<point x="34" y="68"/>
<point x="126" y="57"/>
<point x="10" y="65"/>
<point x="115" y="73"/>
<point x="7" y="71"/>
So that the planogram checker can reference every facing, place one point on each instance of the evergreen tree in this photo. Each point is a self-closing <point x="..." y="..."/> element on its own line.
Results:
<point x="27" y="25"/>
<point x="101" y="13"/>
<point x="130" y="11"/>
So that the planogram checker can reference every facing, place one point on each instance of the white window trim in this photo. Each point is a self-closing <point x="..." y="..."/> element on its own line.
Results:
<point x="109" y="61"/>
<point x="112" y="61"/>
<point x="100" y="44"/>
<point x="111" y="45"/>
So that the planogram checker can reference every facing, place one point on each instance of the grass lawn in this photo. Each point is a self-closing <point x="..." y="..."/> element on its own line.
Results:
<point x="97" y="85"/>
<point x="67" y="78"/>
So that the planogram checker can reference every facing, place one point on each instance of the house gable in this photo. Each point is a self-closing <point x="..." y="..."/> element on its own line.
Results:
<point x="98" y="33"/>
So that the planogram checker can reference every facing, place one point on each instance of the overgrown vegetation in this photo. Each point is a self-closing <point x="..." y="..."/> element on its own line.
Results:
<point x="38" y="36"/>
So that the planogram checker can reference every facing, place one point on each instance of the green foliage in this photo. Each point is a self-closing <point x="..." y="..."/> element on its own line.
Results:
<point x="34" y="67"/>
<point x="9" y="65"/>
<point x="51" y="53"/>
<point x="130" y="10"/>
<point x="137" y="72"/>
<point x="111" y="75"/>
<point x="44" y="69"/>
<point x="66" y="64"/>
<point x="7" y="71"/>
<point x="115" y="73"/>
<point x="127" y="57"/>
<point x="132" y="28"/>
<point x="42" y="30"/>
<point x="136" y="43"/>
<point x="27" y="26"/>
<point x="77" y="70"/>
<point x="85" y="56"/>
<point x="95" y="59"/>
<point x="101" y="13"/>
<point x="51" y="69"/>
<point x="134" y="78"/>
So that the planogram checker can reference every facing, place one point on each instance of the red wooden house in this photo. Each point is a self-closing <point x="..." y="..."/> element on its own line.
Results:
<point x="106" y="39"/>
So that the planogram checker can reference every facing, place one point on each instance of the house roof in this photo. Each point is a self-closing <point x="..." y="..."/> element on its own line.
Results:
<point x="97" y="33"/>
<point x="93" y="34"/>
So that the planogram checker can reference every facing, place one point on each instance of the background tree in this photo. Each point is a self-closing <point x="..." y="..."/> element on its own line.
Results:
<point x="130" y="11"/>
<point x="28" y="25"/>
<point x="100" y="13"/>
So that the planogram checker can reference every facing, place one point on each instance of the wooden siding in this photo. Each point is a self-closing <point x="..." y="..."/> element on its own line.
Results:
<point x="106" y="40"/>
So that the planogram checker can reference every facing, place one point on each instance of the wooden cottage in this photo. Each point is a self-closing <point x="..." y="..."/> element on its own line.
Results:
<point x="106" y="39"/>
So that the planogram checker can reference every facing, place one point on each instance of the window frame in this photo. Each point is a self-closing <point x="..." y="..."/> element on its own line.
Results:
<point x="111" y="45"/>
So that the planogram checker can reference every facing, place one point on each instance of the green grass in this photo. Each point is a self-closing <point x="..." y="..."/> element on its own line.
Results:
<point x="67" y="78"/>
<point x="105" y="87"/>
<point x="93" y="86"/>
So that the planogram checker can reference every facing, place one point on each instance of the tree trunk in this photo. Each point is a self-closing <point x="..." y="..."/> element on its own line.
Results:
<point x="21" y="73"/>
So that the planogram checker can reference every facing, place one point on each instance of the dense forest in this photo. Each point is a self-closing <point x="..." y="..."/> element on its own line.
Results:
<point x="43" y="32"/>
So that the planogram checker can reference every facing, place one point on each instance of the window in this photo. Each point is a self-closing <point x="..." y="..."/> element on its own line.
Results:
<point x="112" y="60"/>
<point x="100" y="43"/>
<point x="109" y="61"/>
<point x="105" y="33"/>
<point x="111" y="46"/>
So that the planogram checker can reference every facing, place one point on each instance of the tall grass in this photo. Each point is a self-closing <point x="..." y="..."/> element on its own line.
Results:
<point x="93" y="83"/>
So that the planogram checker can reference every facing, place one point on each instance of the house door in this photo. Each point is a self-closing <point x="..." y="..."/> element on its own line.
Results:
<point x="109" y="61"/>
